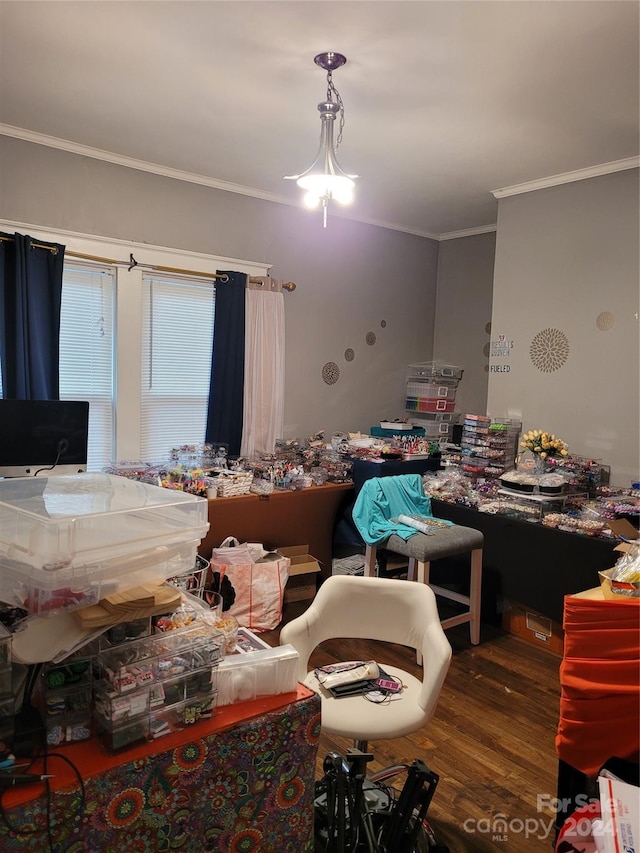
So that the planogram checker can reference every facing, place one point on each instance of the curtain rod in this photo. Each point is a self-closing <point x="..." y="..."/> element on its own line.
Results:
<point x="289" y="286"/>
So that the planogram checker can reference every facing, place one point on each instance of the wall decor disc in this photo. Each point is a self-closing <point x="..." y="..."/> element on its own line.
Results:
<point x="487" y="328"/>
<point x="330" y="373"/>
<point x="349" y="354"/>
<point x="605" y="321"/>
<point x="549" y="350"/>
<point x="383" y="323"/>
<point x="370" y="338"/>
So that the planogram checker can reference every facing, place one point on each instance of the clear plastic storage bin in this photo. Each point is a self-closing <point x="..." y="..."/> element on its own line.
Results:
<point x="432" y="390"/>
<point x="435" y="370"/>
<point x="420" y="404"/>
<point x="67" y="541"/>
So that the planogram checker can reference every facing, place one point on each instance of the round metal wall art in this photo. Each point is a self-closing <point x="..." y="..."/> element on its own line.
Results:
<point x="605" y="321"/>
<point x="487" y="328"/>
<point x="383" y="323"/>
<point x="370" y="338"/>
<point x="549" y="350"/>
<point x="330" y="373"/>
<point x="486" y="349"/>
<point x="349" y="354"/>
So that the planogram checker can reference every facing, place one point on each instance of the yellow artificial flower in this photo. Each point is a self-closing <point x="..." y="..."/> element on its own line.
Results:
<point x="543" y="443"/>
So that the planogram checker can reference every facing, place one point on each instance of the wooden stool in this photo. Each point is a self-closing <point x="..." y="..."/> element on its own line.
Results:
<point x="421" y="549"/>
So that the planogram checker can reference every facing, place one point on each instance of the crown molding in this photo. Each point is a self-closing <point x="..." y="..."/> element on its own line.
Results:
<point x="180" y="175"/>
<point x="468" y="232"/>
<point x="132" y="162"/>
<point x="253" y="192"/>
<point x="568" y="177"/>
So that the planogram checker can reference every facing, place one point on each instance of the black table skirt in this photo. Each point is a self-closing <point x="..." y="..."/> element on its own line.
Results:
<point x="530" y="563"/>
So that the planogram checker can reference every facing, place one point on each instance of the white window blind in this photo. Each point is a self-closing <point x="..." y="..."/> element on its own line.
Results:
<point x="86" y="353"/>
<point x="177" y="339"/>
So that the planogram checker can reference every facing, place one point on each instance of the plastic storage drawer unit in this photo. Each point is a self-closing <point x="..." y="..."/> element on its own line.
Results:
<point x="67" y="541"/>
<point x="434" y="369"/>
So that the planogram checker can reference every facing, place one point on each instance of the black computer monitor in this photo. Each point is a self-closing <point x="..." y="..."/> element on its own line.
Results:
<point x="43" y="437"/>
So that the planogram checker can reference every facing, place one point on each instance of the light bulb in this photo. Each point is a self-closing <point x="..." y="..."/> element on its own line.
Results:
<point x="311" y="200"/>
<point x="343" y="195"/>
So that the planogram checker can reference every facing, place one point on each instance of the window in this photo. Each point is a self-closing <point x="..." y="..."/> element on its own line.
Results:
<point x="177" y="337"/>
<point x="136" y="341"/>
<point x="86" y="353"/>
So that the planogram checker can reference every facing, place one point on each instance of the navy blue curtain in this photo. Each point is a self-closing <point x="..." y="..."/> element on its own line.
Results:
<point x="226" y="391"/>
<point x="30" y="300"/>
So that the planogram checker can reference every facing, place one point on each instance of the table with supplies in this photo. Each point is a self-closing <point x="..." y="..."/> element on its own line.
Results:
<point x="300" y="517"/>
<point x="242" y="781"/>
<point x="599" y="720"/>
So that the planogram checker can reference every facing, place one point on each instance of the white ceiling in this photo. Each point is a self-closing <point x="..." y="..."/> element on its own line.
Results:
<point x="445" y="101"/>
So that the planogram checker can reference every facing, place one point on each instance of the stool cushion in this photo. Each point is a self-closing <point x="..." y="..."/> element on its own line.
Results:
<point x="445" y="542"/>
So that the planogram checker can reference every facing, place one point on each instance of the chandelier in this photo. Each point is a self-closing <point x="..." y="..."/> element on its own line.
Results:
<point x="325" y="180"/>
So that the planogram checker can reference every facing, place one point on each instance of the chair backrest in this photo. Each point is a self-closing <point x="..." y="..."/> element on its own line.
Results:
<point x="384" y="609"/>
<point x="382" y="498"/>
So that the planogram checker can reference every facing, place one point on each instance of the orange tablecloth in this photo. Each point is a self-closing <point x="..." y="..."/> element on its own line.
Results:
<point x="243" y="781"/>
<point x="600" y="682"/>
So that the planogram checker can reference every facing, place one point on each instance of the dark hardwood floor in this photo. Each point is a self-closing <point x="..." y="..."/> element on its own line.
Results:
<point x="491" y="739"/>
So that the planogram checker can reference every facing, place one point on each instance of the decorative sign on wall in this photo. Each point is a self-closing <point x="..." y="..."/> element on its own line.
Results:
<point x="605" y="321"/>
<point x="500" y="348"/>
<point x="330" y="373"/>
<point x="549" y="350"/>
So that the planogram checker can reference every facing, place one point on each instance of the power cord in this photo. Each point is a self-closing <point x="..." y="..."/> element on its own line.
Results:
<point x="63" y="445"/>
<point x="81" y="804"/>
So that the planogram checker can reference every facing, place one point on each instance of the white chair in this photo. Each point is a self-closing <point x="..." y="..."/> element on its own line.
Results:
<point x="387" y="610"/>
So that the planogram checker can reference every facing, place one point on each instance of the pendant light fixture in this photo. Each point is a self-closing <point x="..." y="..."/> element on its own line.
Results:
<point x="325" y="180"/>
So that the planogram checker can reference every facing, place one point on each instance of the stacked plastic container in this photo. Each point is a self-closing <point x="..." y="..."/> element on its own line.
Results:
<point x="489" y="445"/>
<point x="155" y="684"/>
<point x="68" y="541"/>
<point x="7" y="700"/>
<point x="64" y="698"/>
<point x="431" y="397"/>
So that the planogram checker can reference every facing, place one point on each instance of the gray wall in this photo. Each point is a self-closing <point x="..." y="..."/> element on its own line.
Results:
<point x="351" y="277"/>
<point x="463" y="314"/>
<point x="567" y="259"/>
<point x="563" y="257"/>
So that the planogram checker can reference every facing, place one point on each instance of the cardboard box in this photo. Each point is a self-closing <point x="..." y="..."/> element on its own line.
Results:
<point x="533" y="627"/>
<point x="620" y="590"/>
<point x="623" y="528"/>
<point x="302" y="573"/>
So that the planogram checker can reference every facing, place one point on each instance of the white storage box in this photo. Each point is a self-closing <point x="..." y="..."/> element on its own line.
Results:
<point x="67" y="541"/>
<point x="267" y="672"/>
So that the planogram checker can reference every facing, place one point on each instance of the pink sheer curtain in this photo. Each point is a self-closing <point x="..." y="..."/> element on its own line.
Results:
<point x="264" y="366"/>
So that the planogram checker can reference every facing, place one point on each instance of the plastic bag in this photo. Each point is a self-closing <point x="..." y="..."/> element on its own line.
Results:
<point x="251" y="581"/>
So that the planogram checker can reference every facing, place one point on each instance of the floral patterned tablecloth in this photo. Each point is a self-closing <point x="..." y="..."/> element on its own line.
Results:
<point x="244" y="789"/>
